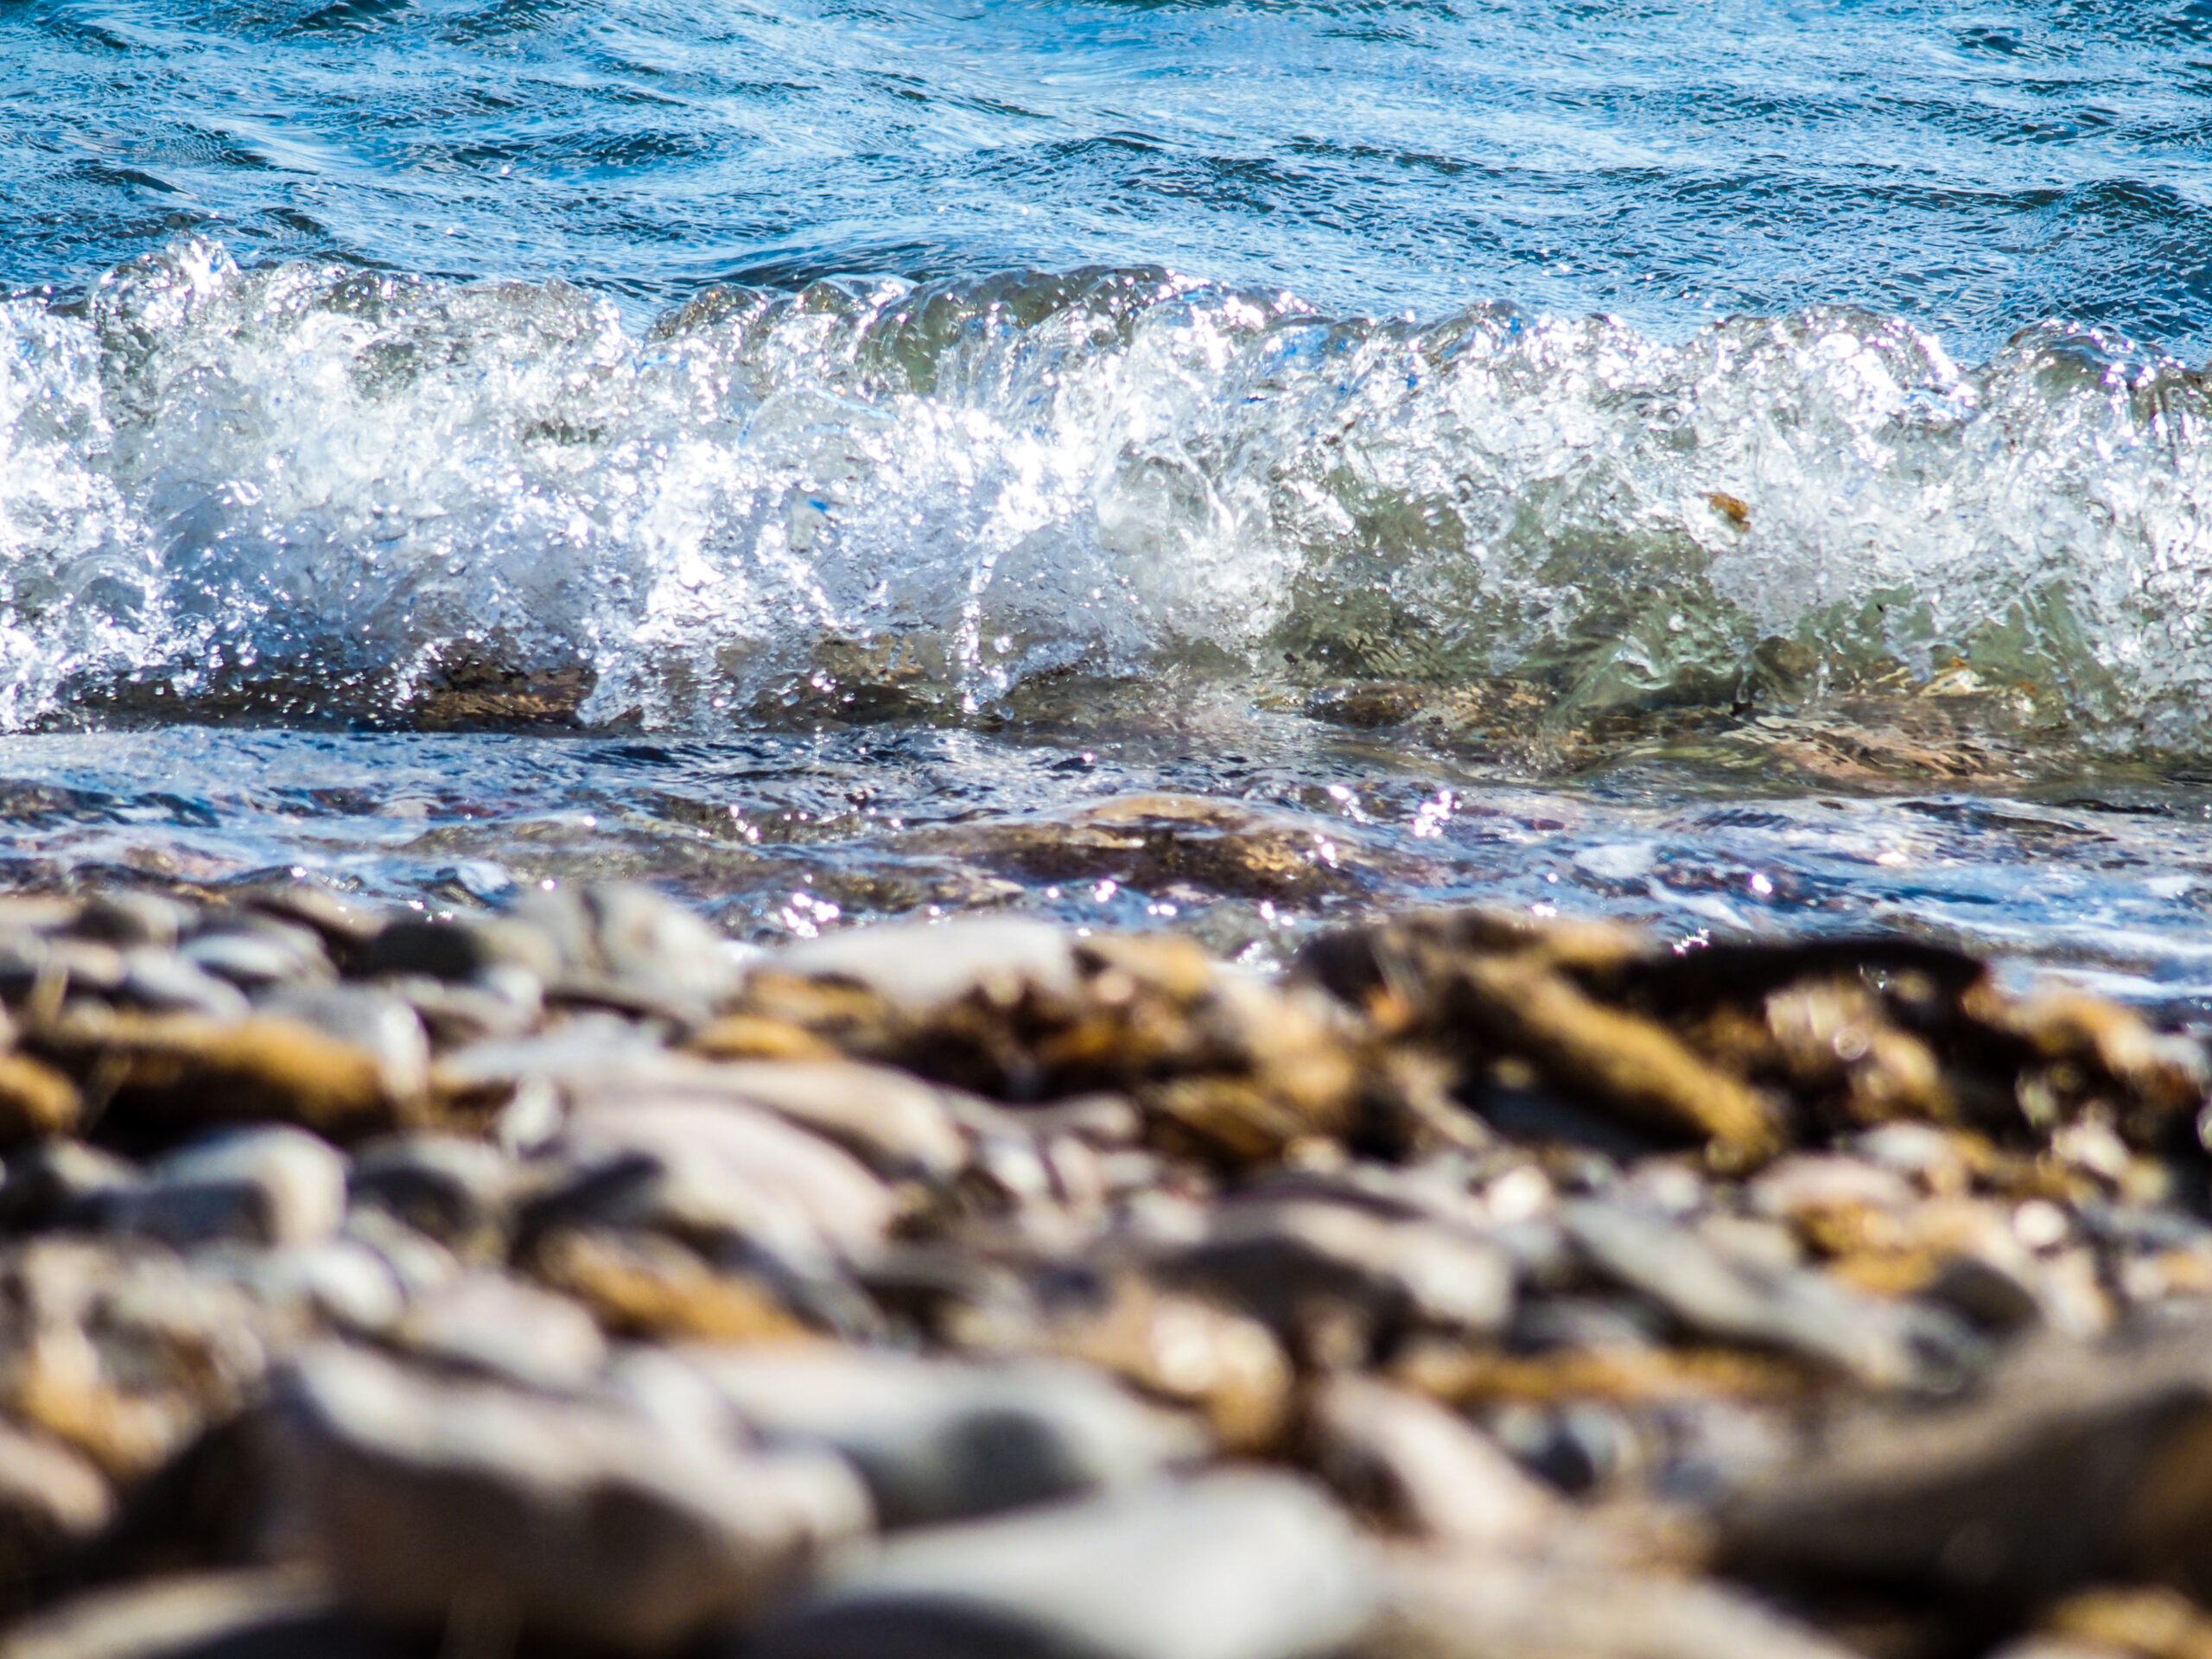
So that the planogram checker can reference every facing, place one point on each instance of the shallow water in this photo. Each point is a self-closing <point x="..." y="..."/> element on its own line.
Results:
<point x="843" y="459"/>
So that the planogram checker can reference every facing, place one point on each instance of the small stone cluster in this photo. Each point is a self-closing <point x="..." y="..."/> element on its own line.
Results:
<point x="566" y="1281"/>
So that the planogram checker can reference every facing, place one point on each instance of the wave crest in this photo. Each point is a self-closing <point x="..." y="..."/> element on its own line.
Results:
<point x="320" y="490"/>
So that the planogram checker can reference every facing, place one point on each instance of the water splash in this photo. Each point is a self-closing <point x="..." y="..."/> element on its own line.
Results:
<point x="313" y="489"/>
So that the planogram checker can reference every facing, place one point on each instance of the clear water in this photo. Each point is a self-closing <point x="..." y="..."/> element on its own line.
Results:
<point x="1734" y="464"/>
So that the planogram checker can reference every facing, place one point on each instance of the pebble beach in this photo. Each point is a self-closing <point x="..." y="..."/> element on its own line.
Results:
<point x="569" y="1281"/>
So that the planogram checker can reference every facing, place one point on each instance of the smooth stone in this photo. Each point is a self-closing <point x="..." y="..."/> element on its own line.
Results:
<point x="1811" y="1182"/>
<point x="488" y="1324"/>
<point x="1236" y="1565"/>
<point x="1796" y="1312"/>
<point x="457" y="1191"/>
<point x="1462" y="1606"/>
<point x="157" y="980"/>
<point x="892" y="1120"/>
<point x="1420" y="1468"/>
<point x="938" y="1440"/>
<point x="172" y="1070"/>
<point x="254" y="958"/>
<point x="417" y="1261"/>
<point x="498" y="1003"/>
<point x="918" y="966"/>
<point x="271" y="1185"/>
<point x="338" y="1282"/>
<point x="251" y="1613"/>
<point x="457" y="949"/>
<point x="718" y="1169"/>
<point x="1282" y="1261"/>
<point x="369" y="1020"/>
<point x="2071" y="1466"/>
<point x="579" y="1521"/>
<point x="580" y="1049"/>
<point x="642" y="938"/>
<point x="133" y="918"/>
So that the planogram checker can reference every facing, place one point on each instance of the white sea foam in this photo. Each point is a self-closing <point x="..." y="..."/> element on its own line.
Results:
<point x="214" y="483"/>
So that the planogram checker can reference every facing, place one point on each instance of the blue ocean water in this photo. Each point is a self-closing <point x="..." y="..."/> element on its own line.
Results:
<point x="1742" y="465"/>
<point x="1971" y="168"/>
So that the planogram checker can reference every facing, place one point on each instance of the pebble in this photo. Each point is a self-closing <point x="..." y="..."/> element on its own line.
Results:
<point x="1486" y="1608"/>
<point x="940" y="1441"/>
<point x="488" y="1324"/>
<point x="717" y="1169"/>
<point x="246" y="1613"/>
<point x="1417" y="1468"/>
<point x="565" y="1279"/>
<point x="272" y="1185"/>
<point x="458" y="1191"/>
<point x="920" y="967"/>
<point x="1234" y="1566"/>
<point x="571" y="1520"/>
<point x="1332" y="1273"/>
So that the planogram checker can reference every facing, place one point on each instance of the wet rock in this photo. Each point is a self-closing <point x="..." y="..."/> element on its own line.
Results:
<point x="1886" y="1344"/>
<point x="1416" y="1467"/>
<point x="579" y="1521"/>
<point x="2073" y="1465"/>
<point x="1471" y="1608"/>
<point x="1232" y="1566"/>
<point x="457" y="1191"/>
<point x="1329" y="1279"/>
<point x="272" y="1185"/>
<point x="253" y="1613"/>
<point x="487" y="1323"/>
<point x="938" y="1441"/>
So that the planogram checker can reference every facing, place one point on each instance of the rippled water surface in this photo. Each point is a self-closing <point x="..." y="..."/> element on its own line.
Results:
<point x="1739" y="465"/>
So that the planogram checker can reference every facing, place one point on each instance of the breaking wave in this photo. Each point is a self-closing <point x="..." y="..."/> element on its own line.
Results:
<point x="317" y="489"/>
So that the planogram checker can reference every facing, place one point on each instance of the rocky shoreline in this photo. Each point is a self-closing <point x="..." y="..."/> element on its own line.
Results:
<point x="567" y="1280"/>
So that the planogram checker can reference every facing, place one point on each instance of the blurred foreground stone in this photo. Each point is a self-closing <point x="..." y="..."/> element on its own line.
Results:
<point x="561" y="1280"/>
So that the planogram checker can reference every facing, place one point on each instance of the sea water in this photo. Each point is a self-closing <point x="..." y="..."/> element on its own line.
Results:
<point x="1220" y="466"/>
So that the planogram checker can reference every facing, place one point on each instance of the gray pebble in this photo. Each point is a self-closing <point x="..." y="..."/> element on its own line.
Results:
<point x="938" y="1440"/>
<point x="582" y="1522"/>
<point x="274" y="1184"/>
<point x="1240" y="1566"/>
